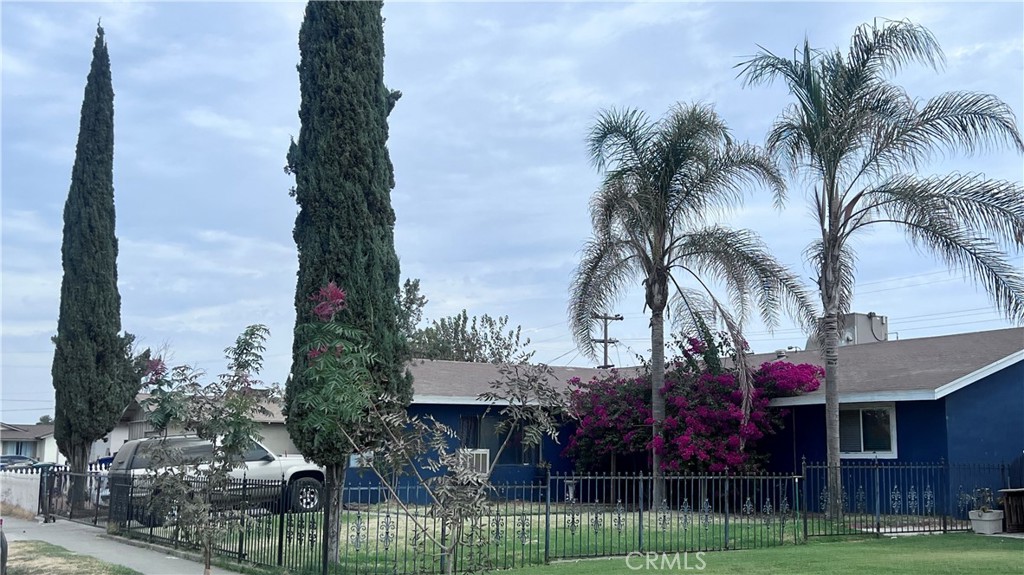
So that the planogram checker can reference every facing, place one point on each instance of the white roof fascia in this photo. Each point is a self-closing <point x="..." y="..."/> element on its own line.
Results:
<point x="867" y="397"/>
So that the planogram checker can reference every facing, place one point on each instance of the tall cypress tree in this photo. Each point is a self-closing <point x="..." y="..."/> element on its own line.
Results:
<point x="93" y="377"/>
<point x="344" y="230"/>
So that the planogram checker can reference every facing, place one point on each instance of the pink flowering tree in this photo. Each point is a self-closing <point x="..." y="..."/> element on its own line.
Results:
<point x="707" y="427"/>
<point x="329" y="405"/>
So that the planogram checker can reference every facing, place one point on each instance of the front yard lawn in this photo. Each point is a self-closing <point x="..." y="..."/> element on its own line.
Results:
<point x="905" y="555"/>
<point x="39" y="558"/>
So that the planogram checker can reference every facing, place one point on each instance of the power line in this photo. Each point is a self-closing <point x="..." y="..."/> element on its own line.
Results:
<point x="911" y="285"/>
<point x="947" y="325"/>
<point x="898" y="278"/>
<point x="553" y="360"/>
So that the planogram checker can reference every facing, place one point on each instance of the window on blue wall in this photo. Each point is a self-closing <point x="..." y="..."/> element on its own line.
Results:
<point x="515" y="453"/>
<point x="469" y="431"/>
<point x="868" y="431"/>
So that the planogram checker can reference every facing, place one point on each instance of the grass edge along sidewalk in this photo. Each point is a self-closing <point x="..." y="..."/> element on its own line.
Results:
<point x="32" y="557"/>
<point x="906" y="555"/>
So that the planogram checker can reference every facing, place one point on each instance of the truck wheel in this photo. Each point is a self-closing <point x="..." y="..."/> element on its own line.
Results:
<point x="305" y="495"/>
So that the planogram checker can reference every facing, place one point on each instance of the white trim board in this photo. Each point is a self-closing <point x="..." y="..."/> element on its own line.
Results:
<point x="907" y="395"/>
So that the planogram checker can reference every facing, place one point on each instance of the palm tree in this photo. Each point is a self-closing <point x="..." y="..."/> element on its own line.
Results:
<point x="663" y="180"/>
<point x="861" y="140"/>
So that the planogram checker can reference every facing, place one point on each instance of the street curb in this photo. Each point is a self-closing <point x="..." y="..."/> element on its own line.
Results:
<point x="179" y="553"/>
<point x="218" y="562"/>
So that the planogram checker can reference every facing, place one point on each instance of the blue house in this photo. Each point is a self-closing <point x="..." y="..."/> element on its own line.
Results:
<point x="449" y="392"/>
<point x="956" y="398"/>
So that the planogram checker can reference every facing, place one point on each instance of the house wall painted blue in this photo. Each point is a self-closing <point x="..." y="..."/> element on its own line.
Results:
<point x="920" y="436"/>
<point x="985" y="420"/>
<point x="362" y="485"/>
<point x="980" y="423"/>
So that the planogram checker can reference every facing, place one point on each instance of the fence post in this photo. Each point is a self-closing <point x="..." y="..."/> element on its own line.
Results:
<point x="796" y="505"/>
<point x="640" y="507"/>
<point x="547" y="517"/>
<point x="803" y="492"/>
<point x="946" y="493"/>
<point x="327" y="490"/>
<point x="241" y="531"/>
<point x="725" y="544"/>
<point x="444" y="544"/>
<point x="98" y="479"/>
<point x="43" y="495"/>
<point x="878" y="500"/>
<point x="280" y="523"/>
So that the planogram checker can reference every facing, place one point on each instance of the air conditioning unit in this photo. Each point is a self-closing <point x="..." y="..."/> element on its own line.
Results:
<point x="478" y="460"/>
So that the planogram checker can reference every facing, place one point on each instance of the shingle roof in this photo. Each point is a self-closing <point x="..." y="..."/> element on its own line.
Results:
<point x="14" y="432"/>
<point x="912" y="368"/>
<point x="440" y="381"/>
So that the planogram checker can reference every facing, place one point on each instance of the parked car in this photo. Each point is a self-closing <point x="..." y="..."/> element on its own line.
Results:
<point x="12" y="460"/>
<point x="302" y="482"/>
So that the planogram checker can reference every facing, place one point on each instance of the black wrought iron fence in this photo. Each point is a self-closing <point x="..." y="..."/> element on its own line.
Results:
<point x="556" y="518"/>
<point x="882" y="497"/>
<point x="76" y="496"/>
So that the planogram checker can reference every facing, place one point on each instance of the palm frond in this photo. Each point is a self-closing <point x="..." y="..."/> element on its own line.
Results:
<point x="620" y="138"/>
<point x="992" y="208"/>
<point x="740" y="260"/>
<point x="951" y="122"/>
<point x="599" y="281"/>
<point x="877" y="49"/>
<point x="978" y="257"/>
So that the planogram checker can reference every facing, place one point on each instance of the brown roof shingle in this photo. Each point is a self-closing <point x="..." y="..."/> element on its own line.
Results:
<point x="909" y="365"/>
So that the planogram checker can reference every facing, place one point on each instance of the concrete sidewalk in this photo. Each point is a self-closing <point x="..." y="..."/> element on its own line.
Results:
<point x="93" y="541"/>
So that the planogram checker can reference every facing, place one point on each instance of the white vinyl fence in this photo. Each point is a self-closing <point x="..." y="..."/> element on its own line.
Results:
<point x="20" y="490"/>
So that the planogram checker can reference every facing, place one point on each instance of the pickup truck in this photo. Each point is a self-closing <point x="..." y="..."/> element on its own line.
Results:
<point x="302" y="481"/>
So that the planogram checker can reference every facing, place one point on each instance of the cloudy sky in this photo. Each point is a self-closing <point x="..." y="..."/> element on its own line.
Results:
<point x="492" y="177"/>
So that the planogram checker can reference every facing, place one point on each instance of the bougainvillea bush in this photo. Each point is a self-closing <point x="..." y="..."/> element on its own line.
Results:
<point x="706" y="428"/>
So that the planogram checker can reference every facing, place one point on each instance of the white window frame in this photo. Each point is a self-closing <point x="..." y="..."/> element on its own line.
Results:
<point x="360" y="460"/>
<point x="891" y="408"/>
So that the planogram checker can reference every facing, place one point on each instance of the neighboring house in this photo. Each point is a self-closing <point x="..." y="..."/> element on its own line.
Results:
<point x="133" y="425"/>
<point x="445" y="390"/>
<point x="32" y="440"/>
<point x="957" y="398"/>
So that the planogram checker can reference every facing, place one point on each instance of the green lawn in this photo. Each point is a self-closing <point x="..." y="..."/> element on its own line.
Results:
<point x="905" y="555"/>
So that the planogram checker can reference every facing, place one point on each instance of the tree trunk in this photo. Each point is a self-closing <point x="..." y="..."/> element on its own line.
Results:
<point x="78" y="459"/>
<point x="657" y="402"/>
<point x="335" y="484"/>
<point x="831" y="353"/>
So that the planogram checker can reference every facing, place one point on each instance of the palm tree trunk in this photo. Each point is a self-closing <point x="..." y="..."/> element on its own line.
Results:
<point x="835" y="485"/>
<point x="657" y="402"/>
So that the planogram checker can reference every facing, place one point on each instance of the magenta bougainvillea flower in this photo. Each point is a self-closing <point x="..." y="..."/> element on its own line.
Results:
<point x="705" y="428"/>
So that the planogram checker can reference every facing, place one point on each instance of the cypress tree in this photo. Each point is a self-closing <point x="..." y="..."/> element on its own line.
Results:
<point x="344" y="230"/>
<point x="93" y="376"/>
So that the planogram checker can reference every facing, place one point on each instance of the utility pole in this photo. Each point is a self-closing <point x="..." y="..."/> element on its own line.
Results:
<point x="605" y="341"/>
